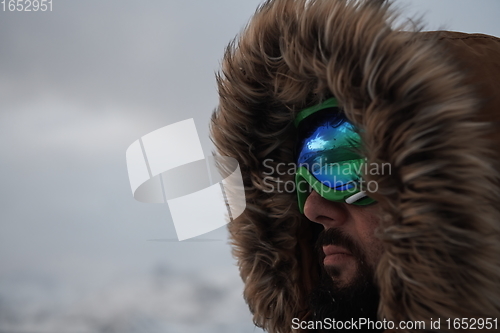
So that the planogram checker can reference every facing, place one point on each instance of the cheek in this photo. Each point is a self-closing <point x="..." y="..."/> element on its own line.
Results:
<point x="374" y="251"/>
<point x="369" y="222"/>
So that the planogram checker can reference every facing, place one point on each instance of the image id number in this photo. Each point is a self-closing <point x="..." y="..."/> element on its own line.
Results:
<point x="26" y="5"/>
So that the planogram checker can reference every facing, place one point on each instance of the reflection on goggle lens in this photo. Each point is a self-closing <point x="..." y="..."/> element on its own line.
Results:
<point x="328" y="157"/>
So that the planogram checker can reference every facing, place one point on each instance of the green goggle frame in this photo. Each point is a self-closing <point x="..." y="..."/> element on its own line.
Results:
<point x="348" y="191"/>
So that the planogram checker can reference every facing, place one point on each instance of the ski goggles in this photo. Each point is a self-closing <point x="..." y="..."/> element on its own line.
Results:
<point x="328" y="158"/>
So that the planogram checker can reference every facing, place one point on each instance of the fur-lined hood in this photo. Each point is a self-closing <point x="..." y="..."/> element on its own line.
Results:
<point x="427" y="103"/>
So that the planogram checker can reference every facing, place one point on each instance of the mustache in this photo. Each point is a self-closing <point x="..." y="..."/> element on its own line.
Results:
<point x="339" y="238"/>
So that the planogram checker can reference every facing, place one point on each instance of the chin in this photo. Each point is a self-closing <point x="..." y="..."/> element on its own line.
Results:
<point x="342" y="278"/>
<point x="345" y="294"/>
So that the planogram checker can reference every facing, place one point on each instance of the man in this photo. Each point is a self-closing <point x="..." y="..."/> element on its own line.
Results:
<point x="315" y="87"/>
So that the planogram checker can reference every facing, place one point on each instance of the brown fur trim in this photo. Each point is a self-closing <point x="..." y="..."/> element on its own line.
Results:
<point x="406" y="93"/>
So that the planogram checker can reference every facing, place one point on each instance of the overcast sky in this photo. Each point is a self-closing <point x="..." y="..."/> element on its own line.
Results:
<point x="78" y="85"/>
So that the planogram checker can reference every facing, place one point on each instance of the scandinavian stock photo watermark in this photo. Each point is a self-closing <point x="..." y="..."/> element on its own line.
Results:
<point x="334" y="175"/>
<point x="168" y="166"/>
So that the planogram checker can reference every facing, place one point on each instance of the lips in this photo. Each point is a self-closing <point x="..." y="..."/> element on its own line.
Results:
<point x="336" y="255"/>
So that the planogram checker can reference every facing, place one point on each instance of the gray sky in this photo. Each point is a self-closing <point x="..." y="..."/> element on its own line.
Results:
<point x="77" y="86"/>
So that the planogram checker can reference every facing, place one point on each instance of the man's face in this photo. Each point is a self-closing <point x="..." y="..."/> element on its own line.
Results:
<point x="348" y="243"/>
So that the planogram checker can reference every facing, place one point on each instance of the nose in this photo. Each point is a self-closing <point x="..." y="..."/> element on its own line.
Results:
<point x="328" y="213"/>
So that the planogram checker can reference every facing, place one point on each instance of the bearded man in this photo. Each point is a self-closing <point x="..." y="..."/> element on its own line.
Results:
<point x="311" y="93"/>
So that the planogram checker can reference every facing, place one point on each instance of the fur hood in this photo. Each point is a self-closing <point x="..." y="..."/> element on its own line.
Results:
<point x="427" y="103"/>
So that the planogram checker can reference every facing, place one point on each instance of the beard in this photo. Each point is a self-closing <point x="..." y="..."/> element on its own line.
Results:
<point x="357" y="299"/>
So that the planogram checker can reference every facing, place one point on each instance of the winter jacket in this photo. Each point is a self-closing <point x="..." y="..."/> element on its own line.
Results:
<point x="428" y="103"/>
